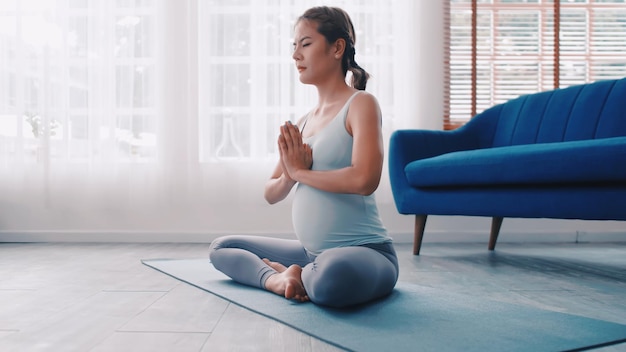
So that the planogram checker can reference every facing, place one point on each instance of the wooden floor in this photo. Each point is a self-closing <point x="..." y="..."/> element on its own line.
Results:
<point x="99" y="297"/>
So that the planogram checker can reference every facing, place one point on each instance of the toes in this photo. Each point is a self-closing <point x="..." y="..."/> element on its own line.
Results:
<point x="290" y="292"/>
<point x="296" y="292"/>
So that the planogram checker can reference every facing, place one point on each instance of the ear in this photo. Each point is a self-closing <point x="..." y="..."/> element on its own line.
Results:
<point x="339" y="48"/>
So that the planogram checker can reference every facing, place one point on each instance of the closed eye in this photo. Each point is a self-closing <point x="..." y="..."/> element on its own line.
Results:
<point x="295" y="45"/>
<point x="302" y="42"/>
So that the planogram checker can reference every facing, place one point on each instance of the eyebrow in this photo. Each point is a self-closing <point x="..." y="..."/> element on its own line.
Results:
<point x="301" y="40"/>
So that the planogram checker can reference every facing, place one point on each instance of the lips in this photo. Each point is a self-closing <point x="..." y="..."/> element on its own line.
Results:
<point x="301" y="68"/>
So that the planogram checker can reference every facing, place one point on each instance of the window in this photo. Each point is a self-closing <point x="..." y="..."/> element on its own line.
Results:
<point x="162" y="115"/>
<point x="247" y="82"/>
<point x="77" y="80"/>
<point x="511" y="48"/>
<point x="80" y="80"/>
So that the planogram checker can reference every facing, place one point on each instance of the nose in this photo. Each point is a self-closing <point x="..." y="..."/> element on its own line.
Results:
<point x="296" y="54"/>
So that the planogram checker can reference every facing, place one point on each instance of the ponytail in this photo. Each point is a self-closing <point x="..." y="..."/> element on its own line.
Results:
<point x="359" y="75"/>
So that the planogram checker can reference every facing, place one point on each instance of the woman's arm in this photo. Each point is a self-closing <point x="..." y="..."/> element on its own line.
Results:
<point x="363" y="176"/>
<point x="280" y="183"/>
<point x="278" y="186"/>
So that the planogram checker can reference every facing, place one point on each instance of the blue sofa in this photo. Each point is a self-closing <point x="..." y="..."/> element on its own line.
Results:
<point x="557" y="154"/>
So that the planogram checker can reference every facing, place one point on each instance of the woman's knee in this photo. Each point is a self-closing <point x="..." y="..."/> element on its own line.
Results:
<point x="343" y="281"/>
<point x="332" y="284"/>
<point x="217" y="244"/>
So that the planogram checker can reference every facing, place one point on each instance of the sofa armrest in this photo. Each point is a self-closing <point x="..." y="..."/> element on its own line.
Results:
<point x="406" y="146"/>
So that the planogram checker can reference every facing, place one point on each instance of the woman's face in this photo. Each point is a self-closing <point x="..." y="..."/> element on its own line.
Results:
<point x="314" y="57"/>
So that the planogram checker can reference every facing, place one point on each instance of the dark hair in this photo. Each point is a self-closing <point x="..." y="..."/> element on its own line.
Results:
<point x="334" y="23"/>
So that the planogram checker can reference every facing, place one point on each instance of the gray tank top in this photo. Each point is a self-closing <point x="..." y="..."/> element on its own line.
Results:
<point x="324" y="220"/>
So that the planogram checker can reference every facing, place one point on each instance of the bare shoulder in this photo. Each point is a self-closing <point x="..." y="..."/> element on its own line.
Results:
<point x="364" y="106"/>
<point x="364" y="111"/>
<point x="365" y="99"/>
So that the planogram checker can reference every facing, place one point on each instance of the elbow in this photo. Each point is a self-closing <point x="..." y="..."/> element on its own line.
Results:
<point x="269" y="198"/>
<point x="277" y="190"/>
<point x="366" y="186"/>
<point x="271" y="201"/>
<point x="273" y="197"/>
<point x="268" y="195"/>
<point x="366" y="191"/>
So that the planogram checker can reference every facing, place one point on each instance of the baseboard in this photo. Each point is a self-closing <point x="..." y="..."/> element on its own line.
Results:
<point x="205" y="237"/>
<point x="515" y="237"/>
<point x="116" y="236"/>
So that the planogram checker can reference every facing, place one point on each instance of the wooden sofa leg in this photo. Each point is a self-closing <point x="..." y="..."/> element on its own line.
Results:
<point x="420" y="224"/>
<point x="496" y="223"/>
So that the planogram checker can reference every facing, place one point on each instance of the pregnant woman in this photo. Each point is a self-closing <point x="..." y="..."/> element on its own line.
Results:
<point x="334" y="157"/>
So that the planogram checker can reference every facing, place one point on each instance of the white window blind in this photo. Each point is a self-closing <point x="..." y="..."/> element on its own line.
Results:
<point x="500" y="49"/>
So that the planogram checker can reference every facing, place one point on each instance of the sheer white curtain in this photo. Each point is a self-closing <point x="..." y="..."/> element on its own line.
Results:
<point x="78" y="113"/>
<point x="149" y="117"/>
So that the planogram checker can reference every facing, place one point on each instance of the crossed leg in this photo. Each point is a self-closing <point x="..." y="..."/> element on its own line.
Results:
<point x="338" y="277"/>
<point x="269" y="263"/>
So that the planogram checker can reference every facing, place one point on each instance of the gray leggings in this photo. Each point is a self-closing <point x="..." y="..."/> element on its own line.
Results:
<point x="338" y="277"/>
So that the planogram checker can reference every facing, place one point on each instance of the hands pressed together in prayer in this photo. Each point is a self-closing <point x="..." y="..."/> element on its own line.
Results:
<point x="294" y="153"/>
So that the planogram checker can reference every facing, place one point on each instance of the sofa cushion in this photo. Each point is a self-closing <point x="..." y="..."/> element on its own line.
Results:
<point x="596" y="160"/>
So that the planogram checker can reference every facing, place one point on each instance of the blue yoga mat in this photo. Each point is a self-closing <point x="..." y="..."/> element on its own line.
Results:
<point x="412" y="318"/>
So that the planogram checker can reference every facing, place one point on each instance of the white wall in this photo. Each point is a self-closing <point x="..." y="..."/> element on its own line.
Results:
<point x="419" y="79"/>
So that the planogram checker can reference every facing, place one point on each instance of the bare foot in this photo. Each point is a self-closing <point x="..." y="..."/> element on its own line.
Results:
<point x="275" y="265"/>
<point x="288" y="284"/>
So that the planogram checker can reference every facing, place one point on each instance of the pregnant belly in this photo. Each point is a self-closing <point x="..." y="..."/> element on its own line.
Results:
<point x="324" y="220"/>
